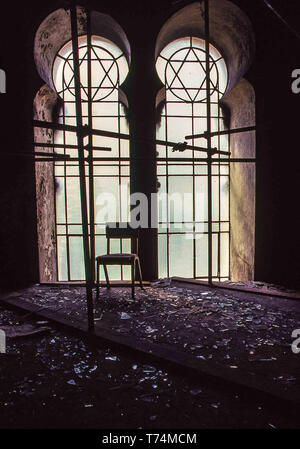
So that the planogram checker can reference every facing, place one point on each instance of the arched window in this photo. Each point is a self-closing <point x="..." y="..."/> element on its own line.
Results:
<point x="181" y="66"/>
<point x="109" y="178"/>
<point x="104" y="58"/>
<point x="180" y="57"/>
<point x="183" y="220"/>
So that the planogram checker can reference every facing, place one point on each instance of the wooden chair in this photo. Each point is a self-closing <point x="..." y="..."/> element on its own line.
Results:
<point x="120" y="231"/>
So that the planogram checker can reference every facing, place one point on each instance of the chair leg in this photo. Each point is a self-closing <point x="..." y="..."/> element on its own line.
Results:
<point x="132" y="278"/>
<point x="140" y="273"/>
<point x="98" y="280"/>
<point x="106" y="276"/>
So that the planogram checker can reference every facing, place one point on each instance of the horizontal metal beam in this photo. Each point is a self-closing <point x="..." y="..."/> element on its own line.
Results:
<point x="197" y="159"/>
<point x="85" y="131"/>
<point x="72" y="147"/>
<point x="221" y="133"/>
<point x="159" y="159"/>
<point x="36" y="154"/>
<point x="268" y="4"/>
<point x="47" y="159"/>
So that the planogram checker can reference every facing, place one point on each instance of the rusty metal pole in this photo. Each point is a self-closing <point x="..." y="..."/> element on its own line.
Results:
<point x="209" y="155"/>
<point x="222" y="133"/>
<point x="83" y="196"/>
<point x="90" y="144"/>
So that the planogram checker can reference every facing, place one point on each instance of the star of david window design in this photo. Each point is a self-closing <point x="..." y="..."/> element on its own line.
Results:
<point x="108" y="69"/>
<point x="182" y="69"/>
<point x="183" y="72"/>
<point x="101" y="109"/>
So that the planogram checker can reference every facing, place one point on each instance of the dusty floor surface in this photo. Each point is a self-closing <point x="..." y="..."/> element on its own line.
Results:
<point x="57" y="380"/>
<point x="234" y="330"/>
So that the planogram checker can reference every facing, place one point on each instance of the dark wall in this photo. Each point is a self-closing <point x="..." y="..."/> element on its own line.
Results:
<point x="277" y="113"/>
<point x="277" y="109"/>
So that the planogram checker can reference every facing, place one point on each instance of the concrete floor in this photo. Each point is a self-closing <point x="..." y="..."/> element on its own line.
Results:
<point x="59" y="380"/>
<point x="234" y="336"/>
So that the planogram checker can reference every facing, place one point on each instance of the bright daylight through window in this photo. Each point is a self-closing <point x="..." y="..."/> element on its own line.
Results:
<point x="183" y="219"/>
<point x="100" y="101"/>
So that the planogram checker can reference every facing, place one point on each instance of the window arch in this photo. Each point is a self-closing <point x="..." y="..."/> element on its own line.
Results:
<point x="237" y="48"/>
<point x="181" y="68"/>
<point x="109" y="68"/>
<point x="104" y="58"/>
<point x="230" y="34"/>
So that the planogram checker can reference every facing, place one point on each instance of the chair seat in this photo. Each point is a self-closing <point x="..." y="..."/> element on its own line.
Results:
<point x="120" y="231"/>
<point x="116" y="258"/>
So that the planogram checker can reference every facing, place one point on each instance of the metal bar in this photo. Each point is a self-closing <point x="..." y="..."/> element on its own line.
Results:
<point x="73" y="147"/>
<point x="83" y="197"/>
<point x="194" y="195"/>
<point x="208" y="124"/>
<point x="221" y="133"/>
<point x="229" y="211"/>
<point x="90" y="145"/>
<point x="85" y="131"/>
<point x="268" y="4"/>
<point x="66" y="190"/>
<point x="159" y="159"/>
<point x="219" y="194"/>
<point x="47" y="159"/>
<point x="35" y="153"/>
<point x="167" y="189"/>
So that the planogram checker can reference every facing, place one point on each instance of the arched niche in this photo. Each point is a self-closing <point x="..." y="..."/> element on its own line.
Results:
<point x="232" y="34"/>
<point x="43" y="107"/>
<point x="53" y="33"/>
<point x="240" y="102"/>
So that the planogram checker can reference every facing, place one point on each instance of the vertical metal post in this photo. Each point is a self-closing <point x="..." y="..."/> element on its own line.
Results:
<point x="208" y="125"/>
<point x="83" y="197"/>
<point x="90" y="144"/>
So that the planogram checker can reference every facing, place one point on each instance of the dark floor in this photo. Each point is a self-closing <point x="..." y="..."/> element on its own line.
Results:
<point x="49" y="377"/>
<point x="233" y="330"/>
<point x="56" y="380"/>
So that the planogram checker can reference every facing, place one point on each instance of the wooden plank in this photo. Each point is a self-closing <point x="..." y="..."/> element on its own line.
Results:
<point x="240" y="288"/>
<point x="102" y="284"/>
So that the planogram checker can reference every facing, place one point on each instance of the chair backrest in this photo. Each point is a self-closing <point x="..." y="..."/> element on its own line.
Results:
<point x="122" y="230"/>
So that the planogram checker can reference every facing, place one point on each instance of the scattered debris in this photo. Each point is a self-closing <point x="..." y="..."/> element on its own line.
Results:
<point x="161" y="283"/>
<point x="209" y="324"/>
<point x="66" y="377"/>
<point x="125" y="316"/>
<point x="23" y="330"/>
<point x="195" y="392"/>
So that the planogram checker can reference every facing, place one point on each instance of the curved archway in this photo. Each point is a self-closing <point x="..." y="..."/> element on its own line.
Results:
<point x="232" y="36"/>
<point x="104" y="106"/>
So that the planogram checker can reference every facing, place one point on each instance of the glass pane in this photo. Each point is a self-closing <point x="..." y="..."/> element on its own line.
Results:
<point x="215" y="198"/>
<point x="224" y="255"/>
<point x="178" y="128"/>
<point x="181" y="249"/>
<point x="162" y="256"/>
<point x="202" y="255"/>
<point x="62" y="258"/>
<point x="73" y="200"/>
<point x="201" y="198"/>
<point x="60" y="200"/>
<point x="76" y="259"/>
<point x="215" y="254"/>
<point x="224" y="187"/>
<point x="180" y="198"/>
<point x="106" y="191"/>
